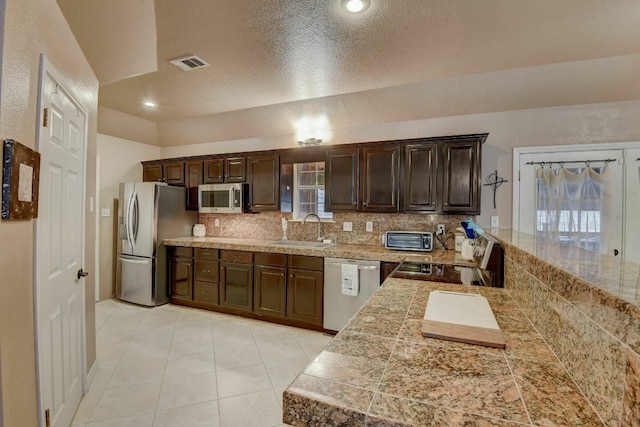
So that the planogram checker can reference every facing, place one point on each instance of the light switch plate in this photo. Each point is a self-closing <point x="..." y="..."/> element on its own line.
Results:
<point x="494" y="221"/>
<point x="369" y="226"/>
<point x="347" y="226"/>
<point x="105" y="212"/>
<point x="216" y="222"/>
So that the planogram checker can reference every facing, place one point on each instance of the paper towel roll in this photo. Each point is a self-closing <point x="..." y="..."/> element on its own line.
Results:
<point x="199" y="230"/>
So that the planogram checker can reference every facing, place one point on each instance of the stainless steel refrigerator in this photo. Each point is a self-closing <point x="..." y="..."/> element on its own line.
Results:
<point x="148" y="213"/>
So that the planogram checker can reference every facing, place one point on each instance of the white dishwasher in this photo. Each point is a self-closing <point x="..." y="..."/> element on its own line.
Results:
<point x="338" y="307"/>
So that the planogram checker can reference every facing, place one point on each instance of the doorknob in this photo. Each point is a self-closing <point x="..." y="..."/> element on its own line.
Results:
<point x="82" y="273"/>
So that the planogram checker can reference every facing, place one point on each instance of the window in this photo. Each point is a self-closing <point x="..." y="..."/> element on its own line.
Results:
<point x="308" y="190"/>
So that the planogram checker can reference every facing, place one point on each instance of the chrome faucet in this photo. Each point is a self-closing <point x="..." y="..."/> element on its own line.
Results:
<point x="320" y="238"/>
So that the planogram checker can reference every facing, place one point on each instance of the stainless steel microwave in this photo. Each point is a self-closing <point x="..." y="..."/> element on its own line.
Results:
<point x="222" y="198"/>
<point x="408" y="240"/>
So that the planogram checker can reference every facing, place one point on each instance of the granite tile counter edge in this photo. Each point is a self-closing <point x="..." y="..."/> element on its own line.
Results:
<point x="366" y="252"/>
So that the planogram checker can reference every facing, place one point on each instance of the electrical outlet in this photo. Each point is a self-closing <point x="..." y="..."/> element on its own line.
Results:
<point x="440" y="229"/>
<point x="347" y="226"/>
<point x="369" y="226"/>
<point x="494" y="221"/>
<point x="105" y="212"/>
<point x="216" y="222"/>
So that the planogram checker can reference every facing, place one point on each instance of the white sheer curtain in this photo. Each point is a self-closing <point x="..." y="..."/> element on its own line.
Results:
<point x="572" y="206"/>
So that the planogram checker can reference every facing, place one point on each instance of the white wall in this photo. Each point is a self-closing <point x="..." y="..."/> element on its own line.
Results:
<point x="119" y="162"/>
<point x="581" y="124"/>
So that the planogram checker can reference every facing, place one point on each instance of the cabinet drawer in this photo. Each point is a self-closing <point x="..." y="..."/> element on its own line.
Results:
<point x="180" y="252"/>
<point x="206" y="293"/>
<point x="206" y="271"/>
<point x="306" y="262"/>
<point x="279" y="260"/>
<point x="206" y="253"/>
<point x="237" y="256"/>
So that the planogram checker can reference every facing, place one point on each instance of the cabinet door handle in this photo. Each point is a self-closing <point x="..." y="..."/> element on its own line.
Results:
<point x="281" y="274"/>
<point x="206" y="271"/>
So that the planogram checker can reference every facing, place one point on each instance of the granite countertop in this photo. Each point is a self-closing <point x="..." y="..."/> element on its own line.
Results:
<point x="367" y="252"/>
<point x="380" y="371"/>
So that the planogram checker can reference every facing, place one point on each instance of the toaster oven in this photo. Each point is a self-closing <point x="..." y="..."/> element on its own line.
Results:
<point x="408" y="240"/>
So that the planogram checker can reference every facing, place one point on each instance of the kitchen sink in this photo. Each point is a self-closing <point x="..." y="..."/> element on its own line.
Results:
<point x="301" y="244"/>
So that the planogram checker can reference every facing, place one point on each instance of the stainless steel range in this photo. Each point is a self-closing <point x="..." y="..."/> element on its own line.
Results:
<point x="489" y="270"/>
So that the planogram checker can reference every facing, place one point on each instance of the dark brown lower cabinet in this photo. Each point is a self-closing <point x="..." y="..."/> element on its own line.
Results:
<point x="236" y="286"/>
<point x="205" y="288"/>
<point x="305" y="289"/>
<point x="387" y="269"/>
<point x="270" y="290"/>
<point x="181" y="278"/>
<point x="283" y="288"/>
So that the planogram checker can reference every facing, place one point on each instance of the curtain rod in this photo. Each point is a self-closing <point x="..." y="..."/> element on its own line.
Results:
<point x="572" y="161"/>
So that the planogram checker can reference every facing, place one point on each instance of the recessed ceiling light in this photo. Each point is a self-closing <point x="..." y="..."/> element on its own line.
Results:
<point x="150" y="104"/>
<point x="355" y="6"/>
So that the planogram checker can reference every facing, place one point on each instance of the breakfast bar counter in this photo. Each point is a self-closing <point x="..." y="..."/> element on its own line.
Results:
<point x="380" y="371"/>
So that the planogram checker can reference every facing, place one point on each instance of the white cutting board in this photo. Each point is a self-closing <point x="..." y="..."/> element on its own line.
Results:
<point x="463" y="317"/>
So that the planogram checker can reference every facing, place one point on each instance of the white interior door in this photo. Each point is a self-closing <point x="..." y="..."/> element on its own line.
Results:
<point x="632" y="205"/>
<point x="525" y="207"/>
<point x="59" y="253"/>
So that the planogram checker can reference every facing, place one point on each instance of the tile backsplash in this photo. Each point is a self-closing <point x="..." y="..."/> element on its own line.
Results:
<point x="268" y="226"/>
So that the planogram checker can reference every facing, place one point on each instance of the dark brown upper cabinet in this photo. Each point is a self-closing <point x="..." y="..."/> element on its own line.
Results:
<point x="193" y="178"/>
<point x="264" y="183"/>
<point x="461" y="176"/>
<point x="213" y="171"/>
<point x="342" y="179"/>
<point x="174" y="173"/>
<point x="380" y="178"/>
<point x="235" y="169"/>
<point x="152" y="172"/>
<point x="420" y="177"/>
<point x="232" y="169"/>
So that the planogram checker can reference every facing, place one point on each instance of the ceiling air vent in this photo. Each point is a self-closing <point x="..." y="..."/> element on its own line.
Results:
<point x="190" y="62"/>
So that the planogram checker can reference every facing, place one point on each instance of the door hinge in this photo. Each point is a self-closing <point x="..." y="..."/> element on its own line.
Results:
<point x="518" y="174"/>
<point x="47" y="415"/>
<point x="45" y="118"/>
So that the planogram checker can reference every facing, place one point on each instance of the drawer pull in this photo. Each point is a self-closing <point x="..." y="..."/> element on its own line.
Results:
<point x="205" y="292"/>
<point x="206" y="253"/>
<point x="207" y="271"/>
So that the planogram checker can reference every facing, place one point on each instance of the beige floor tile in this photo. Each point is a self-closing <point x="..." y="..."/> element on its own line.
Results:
<point x="87" y="405"/>
<point x="128" y="400"/>
<point x="278" y="350"/>
<point x="139" y="420"/>
<point x="187" y="389"/>
<point x="245" y="379"/>
<point x="137" y="371"/>
<point x="265" y="410"/>
<point x="189" y="364"/>
<point x="208" y="368"/>
<point x="203" y="414"/>
<point x="102" y="375"/>
<point x="283" y="371"/>
<point x="235" y="357"/>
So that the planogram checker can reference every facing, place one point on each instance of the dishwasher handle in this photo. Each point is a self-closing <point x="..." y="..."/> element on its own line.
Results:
<point x="367" y="267"/>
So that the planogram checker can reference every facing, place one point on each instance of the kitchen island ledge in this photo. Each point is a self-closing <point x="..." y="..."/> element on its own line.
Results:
<point x="380" y="371"/>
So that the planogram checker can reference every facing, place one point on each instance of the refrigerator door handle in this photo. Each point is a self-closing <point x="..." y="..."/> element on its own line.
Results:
<point x="135" y="261"/>
<point x="129" y="219"/>
<point x="136" y="217"/>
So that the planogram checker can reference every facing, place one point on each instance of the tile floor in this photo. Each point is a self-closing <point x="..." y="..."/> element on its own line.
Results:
<point x="177" y="366"/>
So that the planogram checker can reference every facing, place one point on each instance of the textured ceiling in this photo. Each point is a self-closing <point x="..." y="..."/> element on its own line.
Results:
<point x="273" y="61"/>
